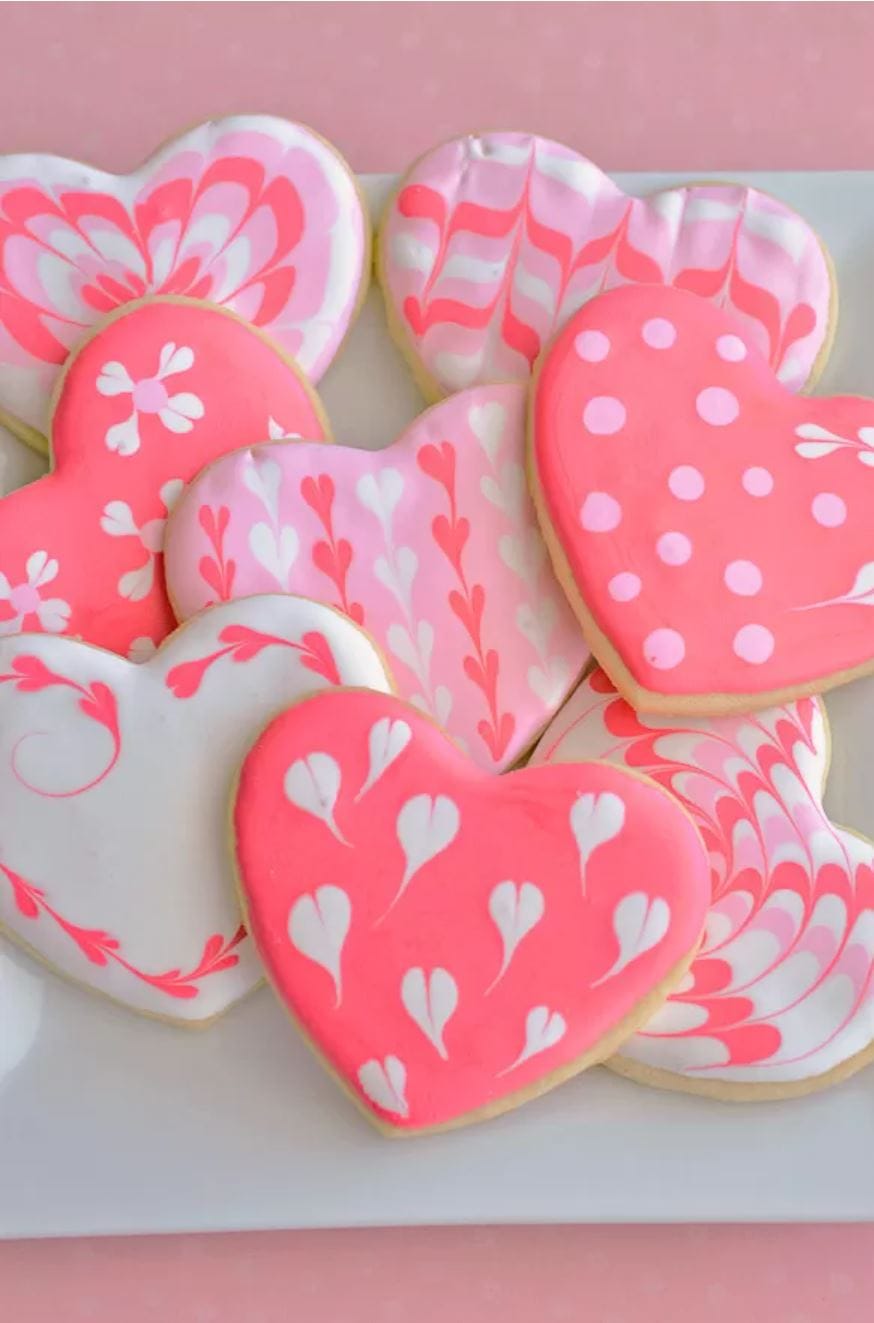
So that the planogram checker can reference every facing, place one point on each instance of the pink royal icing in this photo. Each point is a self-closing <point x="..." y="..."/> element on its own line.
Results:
<point x="493" y="241"/>
<point x="144" y="404"/>
<point x="715" y="527"/>
<point x="114" y="787"/>
<point x="782" y="990"/>
<point x="432" y="545"/>
<point x="447" y="939"/>
<point x="251" y="212"/>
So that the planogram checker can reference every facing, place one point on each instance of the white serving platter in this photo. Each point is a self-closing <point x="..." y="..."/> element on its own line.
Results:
<point x="112" y="1124"/>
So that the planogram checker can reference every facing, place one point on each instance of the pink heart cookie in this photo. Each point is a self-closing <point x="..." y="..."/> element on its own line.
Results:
<point x="251" y="212"/>
<point x="454" y="943"/>
<point x="432" y="545"/>
<point x="779" y="999"/>
<point x="493" y="241"/>
<point x="114" y="784"/>
<point x="711" y="528"/>
<point x="149" y="400"/>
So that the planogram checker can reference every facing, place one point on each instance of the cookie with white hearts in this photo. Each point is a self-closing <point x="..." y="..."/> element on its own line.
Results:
<point x="151" y="397"/>
<point x="710" y="528"/>
<point x="454" y="943"/>
<point x="432" y="544"/>
<point x="250" y="212"/>
<point x="492" y="241"/>
<point x="114" y="785"/>
<point x="780" y="998"/>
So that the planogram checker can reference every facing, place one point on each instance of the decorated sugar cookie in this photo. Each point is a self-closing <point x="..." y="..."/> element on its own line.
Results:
<point x="114" y="785"/>
<point x="157" y="393"/>
<point x="250" y="212"/>
<point x="711" y="529"/>
<point x="432" y="545"/>
<point x="454" y="943"/>
<point x="492" y="241"/>
<point x="780" y="997"/>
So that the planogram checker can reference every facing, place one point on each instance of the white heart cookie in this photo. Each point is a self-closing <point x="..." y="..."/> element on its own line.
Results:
<point x="115" y="781"/>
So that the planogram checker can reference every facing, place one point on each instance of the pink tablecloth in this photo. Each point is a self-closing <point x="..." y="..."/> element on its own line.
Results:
<point x="688" y="87"/>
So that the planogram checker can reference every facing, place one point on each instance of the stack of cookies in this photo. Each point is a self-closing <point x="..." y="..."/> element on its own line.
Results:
<point x="497" y="751"/>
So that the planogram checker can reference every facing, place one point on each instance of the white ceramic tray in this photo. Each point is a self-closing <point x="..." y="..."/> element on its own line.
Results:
<point x="112" y="1124"/>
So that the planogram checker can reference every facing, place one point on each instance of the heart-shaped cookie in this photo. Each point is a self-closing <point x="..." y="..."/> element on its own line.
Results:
<point x="780" y="998"/>
<point x="493" y="241"/>
<point x="454" y="943"/>
<point x="156" y="394"/>
<point x="251" y="212"/>
<point x="432" y="545"/>
<point x="711" y="529"/>
<point x="114" y="785"/>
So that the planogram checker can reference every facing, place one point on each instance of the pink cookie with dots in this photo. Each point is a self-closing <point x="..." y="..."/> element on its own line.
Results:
<point x="431" y="544"/>
<point x="494" y="240"/>
<point x="454" y="943"/>
<point x="712" y="529"/>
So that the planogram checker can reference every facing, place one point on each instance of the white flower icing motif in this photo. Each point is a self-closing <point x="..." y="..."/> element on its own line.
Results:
<point x="178" y="413"/>
<point x="26" y="602"/>
<point x="118" y="520"/>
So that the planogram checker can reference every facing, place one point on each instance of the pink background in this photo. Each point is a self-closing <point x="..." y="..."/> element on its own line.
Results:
<point x="690" y="87"/>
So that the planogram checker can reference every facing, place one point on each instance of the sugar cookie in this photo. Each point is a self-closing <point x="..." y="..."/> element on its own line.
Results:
<point x="779" y="999"/>
<point x="251" y="212"/>
<point x="114" y="781"/>
<point x="492" y="241"/>
<point x="711" y="529"/>
<point x="432" y="544"/>
<point x="149" y="400"/>
<point x="454" y="943"/>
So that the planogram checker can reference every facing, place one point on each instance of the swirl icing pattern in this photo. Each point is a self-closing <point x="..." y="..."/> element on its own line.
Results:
<point x="250" y="212"/>
<point x="493" y="241"/>
<point x="780" y="998"/>
<point x="451" y="942"/>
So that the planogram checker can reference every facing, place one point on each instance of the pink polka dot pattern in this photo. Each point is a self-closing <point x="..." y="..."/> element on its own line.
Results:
<point x="624" y="587"/>
<point x="674" y="548"/>
<point x="742" y="508"/>
<point x="686" y="483"/>
<point x="731" y="348"/>
<point x="829" y="510"/>
<point x="717" y="406"/>
<point x="659" y="333"/>
<point x="754" y="644"/>
<point x="743" y="577"/>
<point x="604" y="415"/>
<point x="757" y="481"/>
<point x="664" y="649"/>
<point x="592" y="346"/>
<point x="600" y="513"/>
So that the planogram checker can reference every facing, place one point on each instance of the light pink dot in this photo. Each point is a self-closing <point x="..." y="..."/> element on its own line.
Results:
<point x="686" y="483"/>
<point x="731" y="348"/>
<point x="717" y="406"/>
<point x="757" y="482"/>
<point x="624" y="587"/>
<point x="600" y="513"/>
<point x="743" y="577"/>
<point x="674" y="548"/>
<point x="754" y="644"/>
<point x="659" y="333"/>
<point x="604" y="415"/>
<point x="664" y="649"/>
<point x="592" y="346"/>
<point x="829" y="510"/>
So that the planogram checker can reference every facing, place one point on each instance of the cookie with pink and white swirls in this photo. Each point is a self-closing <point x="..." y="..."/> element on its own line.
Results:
<point x="250" y="212"/>
<point x="780" y="998"/>
<point x="492" y="241"/>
